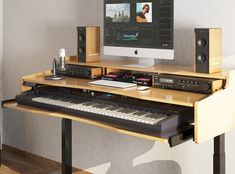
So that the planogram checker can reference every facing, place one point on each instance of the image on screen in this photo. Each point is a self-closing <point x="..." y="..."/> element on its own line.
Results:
<point x="144" y="12"/>
<point x="118" y="12"/>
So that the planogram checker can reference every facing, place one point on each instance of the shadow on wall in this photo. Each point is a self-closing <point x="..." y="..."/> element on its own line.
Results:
<point x="101" y="151"/>
<point x="154" y="167"/>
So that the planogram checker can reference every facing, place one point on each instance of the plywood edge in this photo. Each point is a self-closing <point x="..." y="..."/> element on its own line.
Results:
<point x="24" y="88"/>
<point x="215" y="114"/>
<point x="15" y="106"/>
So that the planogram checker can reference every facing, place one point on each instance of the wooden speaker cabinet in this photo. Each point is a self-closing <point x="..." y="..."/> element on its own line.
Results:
<point x="88" y="44"/>
<point x="208" y="50"/>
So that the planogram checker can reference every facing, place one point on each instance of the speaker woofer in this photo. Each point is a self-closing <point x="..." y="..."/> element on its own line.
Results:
<point x="81" y="50"/>
<point x="81" y="38"/>
<point x="202" y="58"/>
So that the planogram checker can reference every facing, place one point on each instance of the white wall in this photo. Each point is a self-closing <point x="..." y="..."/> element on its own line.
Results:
<point x="34" y="31"/>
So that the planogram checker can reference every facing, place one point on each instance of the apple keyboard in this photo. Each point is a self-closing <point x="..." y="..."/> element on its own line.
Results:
<point x="114" y="84"/>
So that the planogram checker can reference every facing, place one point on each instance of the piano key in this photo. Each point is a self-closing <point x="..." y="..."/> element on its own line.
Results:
<point x="88" y="103"/>
<point x="114" y="108"/>
<point x="127" y="111"/>
<point x="154" y="115"/>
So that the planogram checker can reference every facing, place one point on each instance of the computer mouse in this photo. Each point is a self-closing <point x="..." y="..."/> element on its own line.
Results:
<point x="142" y="88"/>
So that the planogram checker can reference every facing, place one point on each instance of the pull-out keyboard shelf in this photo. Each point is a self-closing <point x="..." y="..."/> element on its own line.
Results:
<point x="180" y="137"/>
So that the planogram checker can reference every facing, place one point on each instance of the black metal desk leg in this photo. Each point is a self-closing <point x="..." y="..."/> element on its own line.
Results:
<point x="219" y="154"/>
<point x="66" y="146"/>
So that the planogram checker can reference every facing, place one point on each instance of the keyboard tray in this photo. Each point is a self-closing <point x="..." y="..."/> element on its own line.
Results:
<point x="183" y="135"/>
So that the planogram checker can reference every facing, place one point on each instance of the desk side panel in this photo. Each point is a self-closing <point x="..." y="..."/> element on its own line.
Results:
<point x="215" y="114"/>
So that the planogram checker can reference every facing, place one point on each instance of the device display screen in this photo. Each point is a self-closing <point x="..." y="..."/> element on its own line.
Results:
<point x="138" y="23"/>
<point x="169" y="81"/>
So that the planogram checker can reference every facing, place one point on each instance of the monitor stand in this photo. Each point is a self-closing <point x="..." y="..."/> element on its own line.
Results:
<point x="143" y="63"/>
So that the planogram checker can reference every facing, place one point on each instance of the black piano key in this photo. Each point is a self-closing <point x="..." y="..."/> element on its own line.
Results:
<point x="138" y="113"/>
<point x="159" y="117"/>
<point x="112" y="108"/>
<point x="129" y="111"/>
<point x="90" y="104"/>
<point x="122" y="110"/>
<point x="119" y="109"/>
<point x="155" y="115"/>
<point x="141" y="113"/>
<point x="96" y="105"/>
<point x="78" y="101"/>
<point x="106" y="106"/>
<point x="149" y="116"/>
<point x="126" y="111"/>
<point x="100" y="106"/>
<point x="86" y="104"/>
<point x="116" y="108"/>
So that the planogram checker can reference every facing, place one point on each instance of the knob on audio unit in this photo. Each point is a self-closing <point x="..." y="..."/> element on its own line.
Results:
<point x="187" y="83"/>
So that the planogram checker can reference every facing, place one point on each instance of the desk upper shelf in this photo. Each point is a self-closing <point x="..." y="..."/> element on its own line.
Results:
<point x="168" y="69"/>
<point x="155" y="94"/>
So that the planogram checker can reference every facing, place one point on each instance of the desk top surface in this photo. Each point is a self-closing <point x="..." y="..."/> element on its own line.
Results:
<point x="155" y="94"/>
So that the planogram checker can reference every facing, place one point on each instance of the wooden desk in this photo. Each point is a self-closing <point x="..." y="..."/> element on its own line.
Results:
<point x="214" y="114"/>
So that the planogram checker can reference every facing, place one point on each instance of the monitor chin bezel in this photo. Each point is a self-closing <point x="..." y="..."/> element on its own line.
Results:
<point x="146" y="53"/>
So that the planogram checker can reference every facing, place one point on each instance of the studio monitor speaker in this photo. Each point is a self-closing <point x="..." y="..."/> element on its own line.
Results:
<point x="208" y="50"/>
<point x="88" y="44"/>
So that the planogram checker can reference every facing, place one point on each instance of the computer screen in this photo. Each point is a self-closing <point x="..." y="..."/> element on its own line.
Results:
<point x="143" y="26"/>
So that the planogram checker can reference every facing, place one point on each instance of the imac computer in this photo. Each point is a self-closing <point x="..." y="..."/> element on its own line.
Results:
<point x="142" y="29"/>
